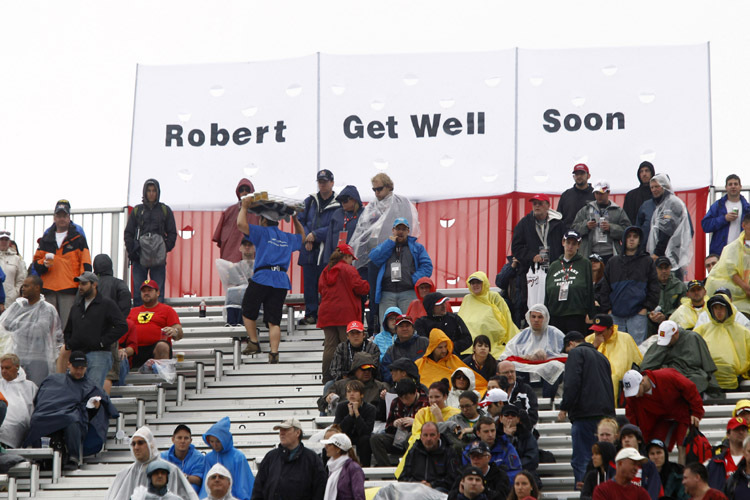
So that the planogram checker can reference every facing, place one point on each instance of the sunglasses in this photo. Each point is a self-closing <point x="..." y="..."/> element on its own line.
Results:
<point x="378" y="189"/>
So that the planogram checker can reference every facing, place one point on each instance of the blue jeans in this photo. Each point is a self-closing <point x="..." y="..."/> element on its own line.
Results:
<point x="141" y="274"/>
<point x="311" y="275"/>
<point x="394" y="299"/>
<point x="583" y="433"/>
<point x="636" y="326"/>
<point x="123" y="372"/>
<point x="100" y="362"/>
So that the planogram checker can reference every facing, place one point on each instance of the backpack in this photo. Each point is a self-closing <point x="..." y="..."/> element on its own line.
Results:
<point x="697" y="446"/>
<point x="153" y="248"/>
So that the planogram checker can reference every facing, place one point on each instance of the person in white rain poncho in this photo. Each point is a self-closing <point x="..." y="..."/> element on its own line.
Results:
<point x="670" y="233"/>
<point x="20" y="395"/>
<point x="219" y="483"/>
<point x="158" y="483"/>
<point x="31" y="329"/>
<point x="143" y="448"/>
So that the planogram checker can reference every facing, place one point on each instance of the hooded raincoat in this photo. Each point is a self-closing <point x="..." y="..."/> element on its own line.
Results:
<point x="728" y="343"/>
<point x="548" y="339"/>
<point x="636" y="197"/>
<point x="621" y="352"/>
<point x="433" y="371"/>
<point x="222" y="471"/>
<point x="342" y="222"/>
<point x="34" y="334"/>
<point x="670" y="234"/>
<point x="454" y="394"/>
<point x="226" y="235"/>
<point x="234" y="460"/>
<point x="109" y="286"/>
<point x="384" y="339"/>
<point x="735" y="259"/>
<point x="192" y="465"/>
<point x="686" y="315"/>
<point x="417" y="308"/>
<point x="20" y="394"/>
<point x="487" y="314"/>
<point x="341" y="290"/>
<point x="135" y="474"/>
<point x="15" y="272"/>
<point x="156" y="218"/>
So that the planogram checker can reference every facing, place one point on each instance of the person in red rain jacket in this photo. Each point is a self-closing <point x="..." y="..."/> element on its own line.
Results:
<point x="422" y="287"/>
<point x="341" y="289"/>
<point x="656" y="400"/>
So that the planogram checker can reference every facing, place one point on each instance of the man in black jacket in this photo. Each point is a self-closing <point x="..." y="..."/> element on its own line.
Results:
<point x="430" y="461"/>
<point x="147" y="222"/>
<point x="290" y="471"/>
<point x="95" y="322"/>
<point x="587" y="397"/>
<point x="436" y="305"/>
<point x="496" y="482"/>
<point x="520" y="393"/>
<point x="636" y="197"/>
<point x="573" y="199"/>
<point x="537" y="238"/>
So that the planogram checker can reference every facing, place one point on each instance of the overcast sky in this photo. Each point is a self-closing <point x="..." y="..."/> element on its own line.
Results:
<point x="68" y="67"/>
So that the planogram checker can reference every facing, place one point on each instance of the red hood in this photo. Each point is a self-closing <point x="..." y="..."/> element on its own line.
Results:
<point x="244" y="182"/>
<point x="422" y="281"/>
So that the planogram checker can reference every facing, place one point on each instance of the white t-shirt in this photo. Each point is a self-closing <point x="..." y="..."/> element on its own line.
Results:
<point x="735" y="227"/>
<point x="60" y="237"/>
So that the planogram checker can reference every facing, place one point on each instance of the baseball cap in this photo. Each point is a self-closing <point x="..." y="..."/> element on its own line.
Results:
<point x="666" y="330"/>
<point x="572" y="234"/>
<point x="601" y="187"/>
<point x="346" y="250"/>
<point x="656" y="442"/>
<point x="630" y="453"/>
<point x="150" y="284"/>
<point x="339" y="440"/>
<point x="325" y="175"/>
<point x="355" y="325"/>
<point x="736" y="422"/>
<point x="5" y="233"/>
<point x="496" y="395"/>
<point x="479" y="448"/>
<point x="579" y="167"/>
<point x="510" y="409"/>
<point x="742" y="406"/>
<point x="540" y="197"/>
<point x="572" y="336"/>
<point x="441" y="299"/>
<point x="724" y="291"/>
<point x="62" y="206"/>
<point x="401" y="220"/>
<point x="631" y="381"/>
<point x="402" y="318"/>
<point x="78" y="358"/>
<point x="472" y="471"/>
<point x="595" y="257"/>
<point x="87" y="277"/>
<point x="288" y="424"/>
<point x="601" y="322"/>
<point x="662" y="261"/>
<point x="691" y="283"/>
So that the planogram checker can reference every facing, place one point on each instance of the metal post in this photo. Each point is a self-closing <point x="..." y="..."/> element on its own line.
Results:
<point x="161" y="396"/>
<point x="289" y="320"/>
<point x="56" y="466"/>
<point x="200" y="374"/>
<point x="140" y="416"/>
<point x="12" y="488"/>
<point x="236" y="354"/>
<point x="34" y="487"/>
<point x="180" y="389"/>
<point x="120" y="426"/>
<point x="218" y="365"/>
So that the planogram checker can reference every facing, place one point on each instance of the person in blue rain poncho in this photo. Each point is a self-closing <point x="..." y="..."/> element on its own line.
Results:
<point x="219" y="438"/>
<point x="184" y="455"/>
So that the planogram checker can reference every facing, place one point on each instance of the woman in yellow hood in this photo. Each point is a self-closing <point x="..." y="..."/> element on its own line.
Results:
<point x="486" y="313"/>
<point x="439" y="362"/>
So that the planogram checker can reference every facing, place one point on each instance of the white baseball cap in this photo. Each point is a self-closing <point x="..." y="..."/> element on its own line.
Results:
<point x="666" y="330"/>
<point x="631" y="381"/>
<point x="341" y="441"/>
<point x="496" y="395"/>
<point x="630" y="453"/>
<point x="601" y="187"/>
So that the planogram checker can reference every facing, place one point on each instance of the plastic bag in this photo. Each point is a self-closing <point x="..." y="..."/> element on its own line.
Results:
<point x="166" y="369"/>
<point x="401" y="439"/>
<point x="139" y="493"/>
<point x="409" y="491"/>
<point x="536" y="280"/>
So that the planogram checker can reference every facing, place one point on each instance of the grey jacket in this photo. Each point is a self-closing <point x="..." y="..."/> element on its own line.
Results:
<point x="618" y="222"/>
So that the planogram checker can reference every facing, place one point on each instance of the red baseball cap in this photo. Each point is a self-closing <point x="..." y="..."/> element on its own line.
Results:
<point x="736" y="422"/>
<point x="150" y="284"/>
<point x="355" y="325"/>
<point x="403" y="318"/>
<point x="540" y="197"/>
<point x="579" y="167"/>
<point x="346" y="250"/>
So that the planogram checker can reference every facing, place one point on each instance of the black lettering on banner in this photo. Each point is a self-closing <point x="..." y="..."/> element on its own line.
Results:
<point x="420" y="127"/>
<point x="355" y="132"/>
<point x="219" y="136"/>
<point x="196" y="137"/>
<point x="241" y="136"/>
<point x="452" y="126"/>
<point x="572" y="122"/>
<point x="620" y="120"/>
<point x="279" y="128"/>
<point x="550" y="116"/>
<point x="174" y="133"/>
<point x="593" y="121"/>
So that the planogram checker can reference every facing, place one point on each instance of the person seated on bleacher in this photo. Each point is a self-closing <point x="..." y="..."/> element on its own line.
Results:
<point x="385" y="338"/>
<point x="623" y="484"/>
<point x="439" y="316"/>
<point x="406" y="368"/>
<point x="520" y="393"/>
<point x="738" y="484"/>
<point x="521" y="438"/>
<point x="691" y="306"/>
<point x="357" y="419"/>
<point x="417" y="308"/>
<point x="72" y="410"/>
<point x="486" y="313"/>
<point x="503" y="453"/>
<point x="481" y="361"/>
<point x="439" y="362"/>
<point x="430" y="460"/>
<point x="728" y="342"/>
<point x="602" y="453"/>
<point x="671" y="291"/>
<point x="345" y="351"/>
<point x="741" y="409"/>
<point x="470" y="414"/>
<point x="144" y="450"/>
<point x="731" y="270"/>
<point x="219" y="481"/>
<point x="158" y="481"/>
<point x="407" y="344"/>
<point x="705" y="316"/>
<point x="156" y="325"/>
<point x="184" y="455"/>
<point x="219" y="438"/>
<point x="493" y="403"/>
<point x="362" y="369"/>
<point x="646" y="475"/>
<point x="400" y="419"/>
<point x="669" y="472"/>
<point x="496" y="483"/>
<point x="725" y="462"/>
<point x="462" y="379"/>
<point x="346" y="479"/>
<point x="686" y="352"/>
<point x="19" y="394"/>
<point x="290" y="471"/>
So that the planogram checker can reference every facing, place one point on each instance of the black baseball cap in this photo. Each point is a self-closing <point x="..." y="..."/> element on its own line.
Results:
<point x="510" y="409"/>
<point x="572" y="235"/>
<point x="472" y="471"/>
<point x="694" y="283"/>
<point x="662" y="261"/>
<point x="62" y="206"/>
<point x="595" y="257"/>
<point x="602" y="322"/>
<point x="78" y="359"/>
<point x="479" y="447"/>
<point x="325" y="175"/>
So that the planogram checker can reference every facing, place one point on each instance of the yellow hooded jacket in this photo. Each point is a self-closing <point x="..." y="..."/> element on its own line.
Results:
<point x="487" y="314"/>
<point x="686" y="315"/>
<point x="735" y="259"/>
<point x="433" y="371"/>
<point x="621" y="351"/>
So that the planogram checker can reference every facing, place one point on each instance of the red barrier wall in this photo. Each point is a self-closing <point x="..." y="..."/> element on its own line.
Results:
<point x="461" y="236"/>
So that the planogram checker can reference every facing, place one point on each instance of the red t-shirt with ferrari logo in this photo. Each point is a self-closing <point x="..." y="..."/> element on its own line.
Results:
<point x="149" y="321"/>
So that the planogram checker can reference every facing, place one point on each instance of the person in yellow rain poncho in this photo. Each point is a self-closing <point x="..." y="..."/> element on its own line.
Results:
<point x="437" y="412"/>
<point x="618" y="347"/>
<point x="733" y="270"/>
<point x="728" y="342"/>
<point x="439" y="362"/>
<point x="691" y="306"/>
<point x="486" y="313"/>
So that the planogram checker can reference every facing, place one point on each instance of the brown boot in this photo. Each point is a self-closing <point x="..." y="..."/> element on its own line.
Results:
<point x="252" y="348"/>
<point x="273" y="358"/>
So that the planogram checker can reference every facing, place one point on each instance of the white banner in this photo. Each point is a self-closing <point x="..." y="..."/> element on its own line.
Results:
<point x="199" y="129"/>
<point x="612" y="109"/>
<point x="440" y="125"/>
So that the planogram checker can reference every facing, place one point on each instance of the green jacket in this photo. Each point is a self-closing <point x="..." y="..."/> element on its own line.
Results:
<point x="580" y="299"/>
<point x="618" y="222"/>
<point x="670" y="295"/>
